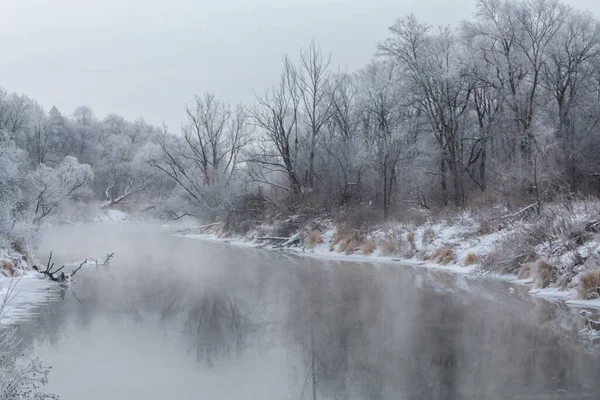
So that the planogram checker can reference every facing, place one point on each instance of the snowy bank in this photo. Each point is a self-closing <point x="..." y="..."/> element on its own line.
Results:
<point x="552" y="253"/>
<point x="22" y="295"/>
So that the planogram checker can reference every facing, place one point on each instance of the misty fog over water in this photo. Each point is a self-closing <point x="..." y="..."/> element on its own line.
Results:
<point x="180" y="318"/>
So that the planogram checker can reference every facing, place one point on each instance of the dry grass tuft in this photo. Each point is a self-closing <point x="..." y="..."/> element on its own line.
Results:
<point x="544" y="273"/>
<point x="8" y="268"/>
<point x="369" y="247"/>
<point x="444" y="255"/>
<point x="389" y="245"/>
<point x="589" y="284"/>
<point x="340" y="233"/>
<point x="525" y="271"/>
<point x="471" y="259"/>
<point x="349" y="242"/>
<point x="313" y="239"/>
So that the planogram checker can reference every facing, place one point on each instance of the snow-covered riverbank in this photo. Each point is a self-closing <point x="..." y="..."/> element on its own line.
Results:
<point x="323" y="253"/>
<point x="23" y="294"/>
<point x="28" y="289"/>
<point x="551" y="253"/>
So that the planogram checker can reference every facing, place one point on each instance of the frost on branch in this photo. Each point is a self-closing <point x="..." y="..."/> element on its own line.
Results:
<point x="54" y="186"/>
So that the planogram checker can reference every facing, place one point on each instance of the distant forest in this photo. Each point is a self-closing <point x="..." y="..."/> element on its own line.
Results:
<point x="504" y="108"/>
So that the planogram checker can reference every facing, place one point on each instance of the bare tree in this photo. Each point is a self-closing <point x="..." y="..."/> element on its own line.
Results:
<point x="568" y="69"/>
<point x="383" y="124"/>
<point x="276" y="117"/>
<point x="215" y="136"/>
<point x="439" y="87"/>
<point x="313" y="79"/>
<point x="343" y="163"/>
<point x="205" y="162"/>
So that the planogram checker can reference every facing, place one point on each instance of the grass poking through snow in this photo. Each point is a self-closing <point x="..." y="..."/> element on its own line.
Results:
<point x="589" y="284"/>
<point x="369" y="247"/>
<point x="313" y="239"/>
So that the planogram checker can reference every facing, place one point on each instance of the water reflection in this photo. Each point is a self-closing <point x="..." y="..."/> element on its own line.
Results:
<point x="217" y="325"/>
<point x="277" y="326"/>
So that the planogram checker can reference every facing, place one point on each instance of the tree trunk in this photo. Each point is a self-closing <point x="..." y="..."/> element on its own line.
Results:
<point x="443" y="172"/>
<point x="385" y="190"/>
<point x="482" y="165"/>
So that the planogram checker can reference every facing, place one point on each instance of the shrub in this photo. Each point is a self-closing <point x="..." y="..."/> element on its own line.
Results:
<point x="249" y="211"/>
<point x="313" y="239"/>
<point x="339" y="235"/>
<point x="361" y="217"/>
<point x="290" y="226"/>
<point x="8" y="268"/>
<point x="17" y="246"/>
<point x="471" y="259"/>
<point x="369" y="247"/>
<point x="544" y="273"/>
<point x="509" y="253"/>
<point x="350" y="242"/>
<point x="589" y="282"/>
<point x="389" y="245"/>
<point x="260" y="232"/>
<point x="444" y="255"/>
<point x="428" y="237"/>
<point x="525" y="271"/>
<point x="411" y="240"/>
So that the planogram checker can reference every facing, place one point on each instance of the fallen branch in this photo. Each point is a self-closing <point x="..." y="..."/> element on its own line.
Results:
<point x="292" y="241"/>
<point x="198" y="229"/>
<point x="512" y="259"/>
<point x="589" y="323"/>
<point x="274" y="238"/>
<point x="593" y="226"/>
<point x="58" y="275"/>
<point x="590" y="229"/>
<point x="524" y="210"/>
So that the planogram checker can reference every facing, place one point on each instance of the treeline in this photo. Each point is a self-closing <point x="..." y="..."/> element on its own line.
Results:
<point x="504" y="108"/>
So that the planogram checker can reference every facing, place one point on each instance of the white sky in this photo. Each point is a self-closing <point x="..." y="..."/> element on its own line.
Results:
<point x="148" y="57"/>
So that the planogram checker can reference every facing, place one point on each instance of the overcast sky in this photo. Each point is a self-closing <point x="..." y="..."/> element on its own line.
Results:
<point x="148" y="57"/>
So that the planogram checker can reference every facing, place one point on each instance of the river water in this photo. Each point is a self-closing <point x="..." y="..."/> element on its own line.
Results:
<point x="175" y="318"/>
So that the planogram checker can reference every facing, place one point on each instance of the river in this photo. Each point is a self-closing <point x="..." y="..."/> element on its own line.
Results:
<point x="175" y="318"/>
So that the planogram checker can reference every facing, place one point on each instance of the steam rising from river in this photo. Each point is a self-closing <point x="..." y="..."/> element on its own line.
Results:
<point x="181" y="318"/>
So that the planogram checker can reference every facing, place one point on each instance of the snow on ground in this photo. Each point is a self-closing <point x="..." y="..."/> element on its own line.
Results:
<point x="110" y="215"/>
<point x="32" y="289"/>
<point x="24" y="295"/>
<point x="417" y="247"/>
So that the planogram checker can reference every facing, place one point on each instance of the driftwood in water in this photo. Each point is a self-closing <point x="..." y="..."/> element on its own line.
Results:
<point x="58" y="275"/>
<point x="292" y="241"/>
<point x="590" y="324"/>
<point x="279" y="242"/>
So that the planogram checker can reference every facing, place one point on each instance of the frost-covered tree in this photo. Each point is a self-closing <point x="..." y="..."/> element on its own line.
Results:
<point x="17" y="230"/>
<point x="205" y="162"/>
<point x="117" y="173"/>
<point x="433" y="68"/>
<point x="277" y="148"/>
<point x="54" y="186"/>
